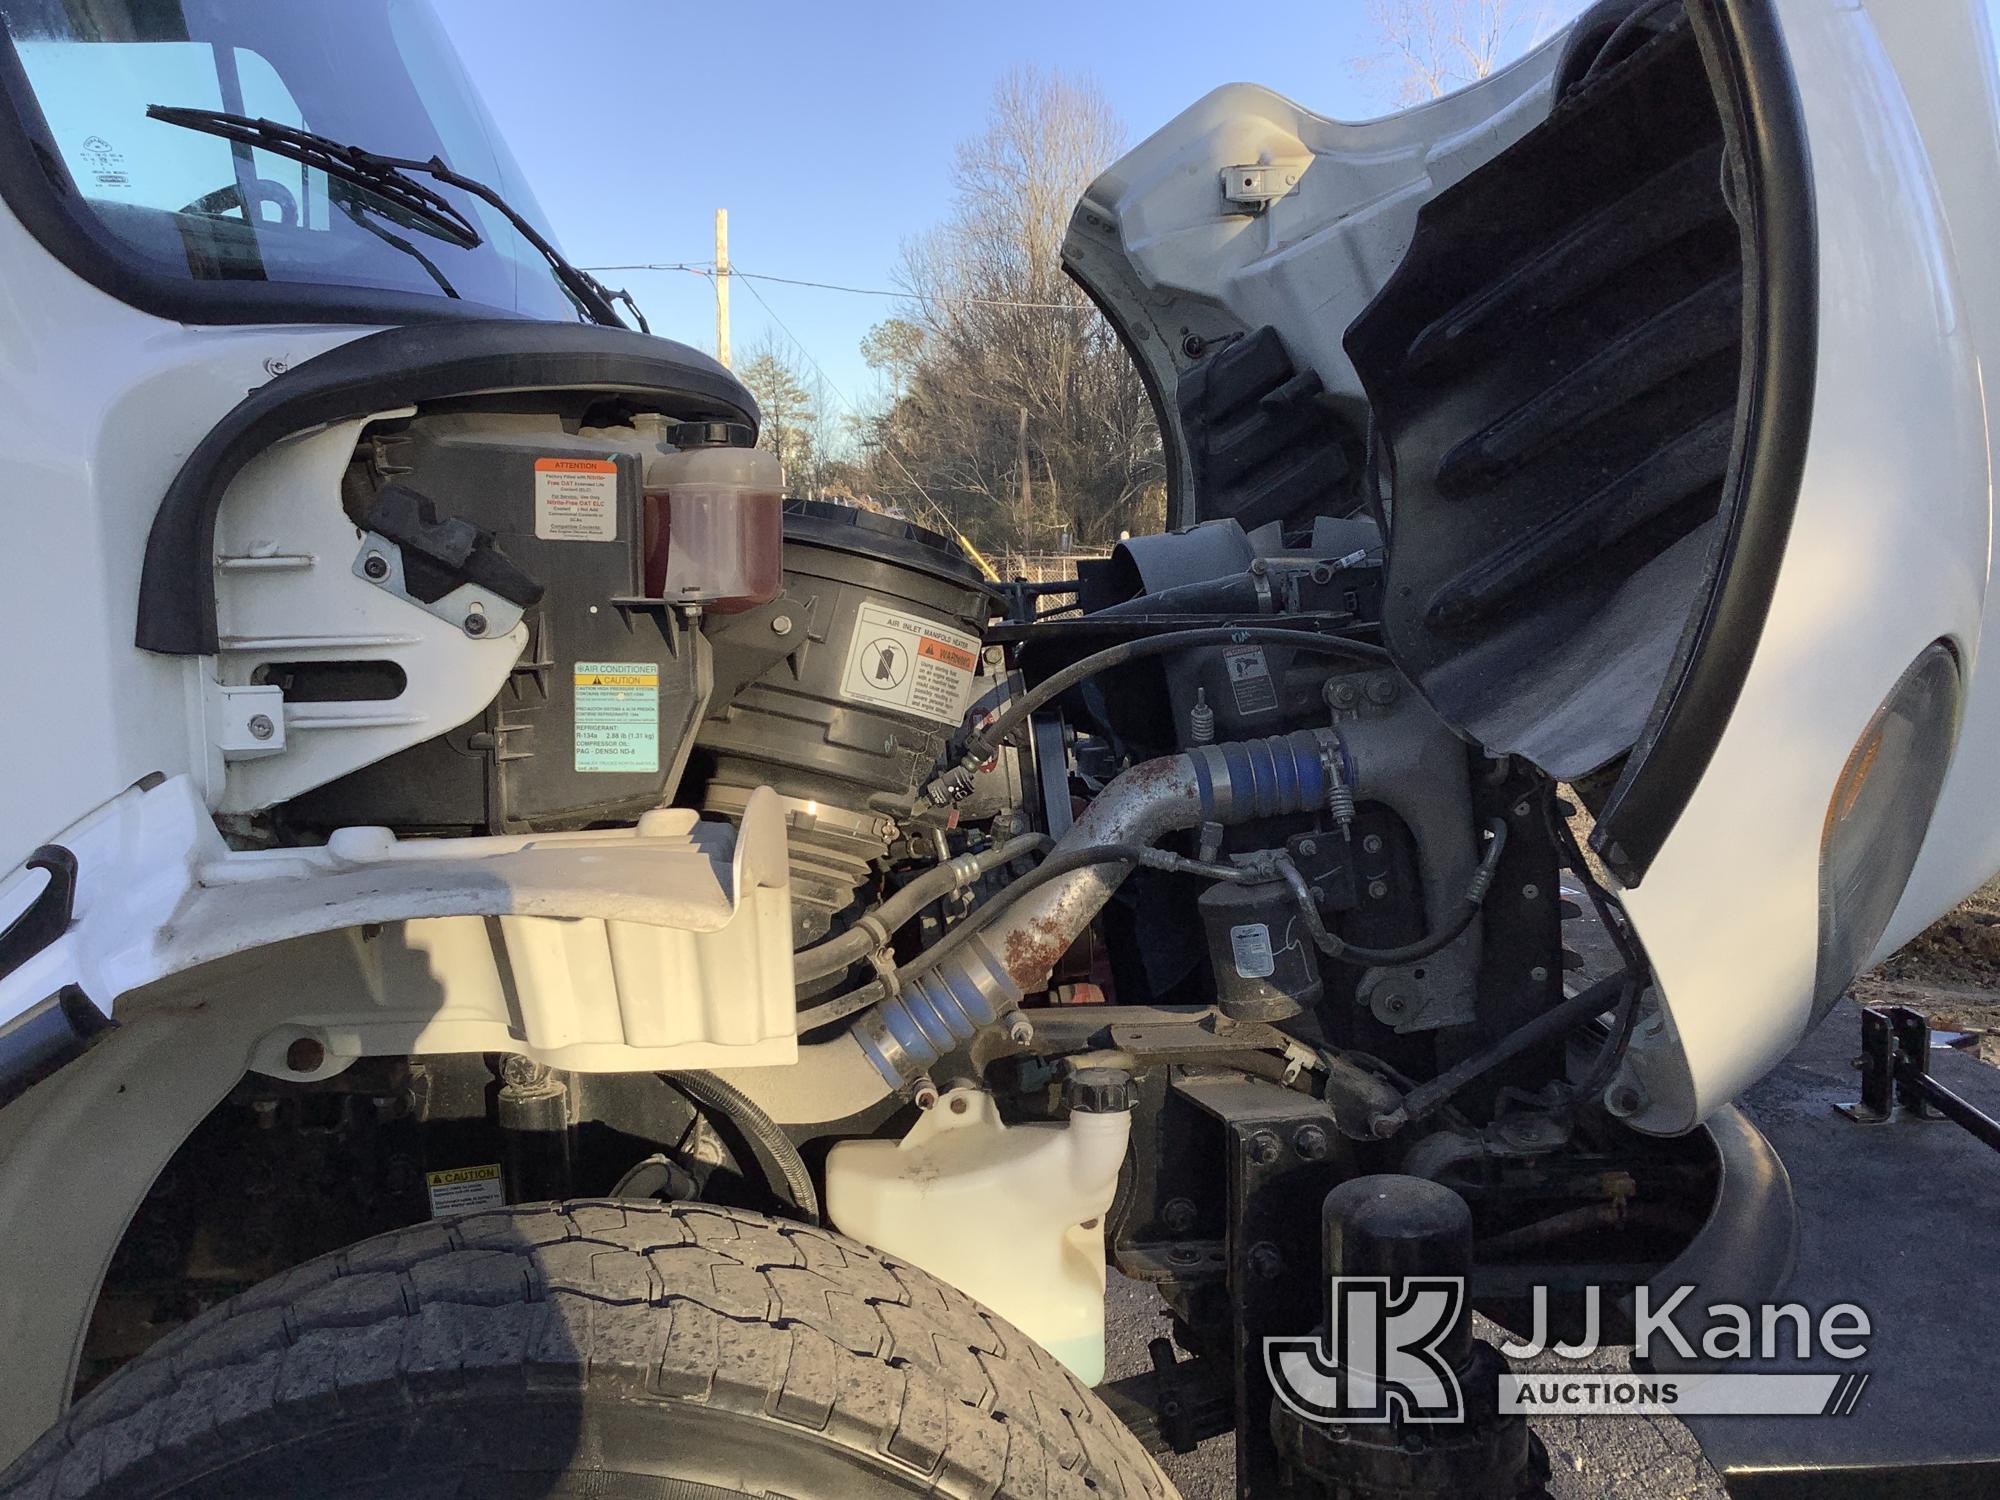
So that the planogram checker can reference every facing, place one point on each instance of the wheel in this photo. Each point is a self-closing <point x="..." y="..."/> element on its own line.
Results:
<point x="606" y="1348"/>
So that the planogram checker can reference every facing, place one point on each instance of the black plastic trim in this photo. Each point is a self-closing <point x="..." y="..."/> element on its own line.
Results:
<point x="1756" y="90"/>
<point x="1748" y="1245"/>
<point x="405" y="366"/>
<point x="47" y="1037"/>
<point x="48" y="915"/>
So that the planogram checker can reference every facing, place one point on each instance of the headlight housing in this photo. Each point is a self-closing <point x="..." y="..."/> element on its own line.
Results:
<point x="1880" y="811"/>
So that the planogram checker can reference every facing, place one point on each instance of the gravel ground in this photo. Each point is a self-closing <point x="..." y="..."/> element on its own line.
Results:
<point x="1589" y="1458"/>
<point x="1951" y="972"/>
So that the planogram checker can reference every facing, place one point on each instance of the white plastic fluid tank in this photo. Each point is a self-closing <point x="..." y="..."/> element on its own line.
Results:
<point x="1012" y="1216"/>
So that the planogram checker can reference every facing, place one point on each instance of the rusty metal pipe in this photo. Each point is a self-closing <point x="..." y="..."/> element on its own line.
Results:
<point x="985" y="979"/>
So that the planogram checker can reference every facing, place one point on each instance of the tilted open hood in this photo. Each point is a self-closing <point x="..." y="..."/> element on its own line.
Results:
<point x="1636" y="356"/>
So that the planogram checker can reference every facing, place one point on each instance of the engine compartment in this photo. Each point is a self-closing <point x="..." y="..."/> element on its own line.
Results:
<point x="1251" y="805"/>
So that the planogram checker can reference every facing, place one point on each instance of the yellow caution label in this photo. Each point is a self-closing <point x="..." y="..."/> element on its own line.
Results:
<point x="463" y="1174"/>
<point x="458" y="1190"/>
<point x="617" y="679"/>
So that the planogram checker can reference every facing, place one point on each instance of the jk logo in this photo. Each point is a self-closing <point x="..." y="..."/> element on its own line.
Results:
<point x="1381" y="1358"/>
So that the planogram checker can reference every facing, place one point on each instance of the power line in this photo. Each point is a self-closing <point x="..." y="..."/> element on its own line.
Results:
<point x="701" y="269"/>
<point x="800" y="346"/>
<point x="964" y="542"/>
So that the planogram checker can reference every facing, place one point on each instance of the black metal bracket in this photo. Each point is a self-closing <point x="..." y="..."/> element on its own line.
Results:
<point x="1895" y="1067"/>
<point x="1177" y="1405"/>
<point x="1285" y="1154"/>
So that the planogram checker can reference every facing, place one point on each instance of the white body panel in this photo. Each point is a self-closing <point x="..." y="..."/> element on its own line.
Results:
<point x="1890" y="549"/>
<point x="104" y="404"/>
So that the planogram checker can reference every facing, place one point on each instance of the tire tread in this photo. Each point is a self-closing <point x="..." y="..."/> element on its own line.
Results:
<point x="781" y="1322"/>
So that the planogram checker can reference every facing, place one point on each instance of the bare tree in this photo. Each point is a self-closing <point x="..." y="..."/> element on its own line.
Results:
<point x="800" y="425"/>
<point x="1013" y="407"/>
<point x="1431" y="47"/>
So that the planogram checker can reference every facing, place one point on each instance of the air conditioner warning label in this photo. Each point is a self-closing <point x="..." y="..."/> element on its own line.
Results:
<point x="462" y="1189"/>
<point x="576" y="500"/>
<point x="617" y="716"/>
<point x="911" y="664"/>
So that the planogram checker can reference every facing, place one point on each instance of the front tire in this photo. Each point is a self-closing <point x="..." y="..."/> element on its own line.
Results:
<point x="593" y="1348"/>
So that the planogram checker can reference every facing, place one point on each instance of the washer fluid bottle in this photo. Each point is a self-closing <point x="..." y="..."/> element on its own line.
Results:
<point x="1011" y="1215"/>
<point x="714" y="519"/>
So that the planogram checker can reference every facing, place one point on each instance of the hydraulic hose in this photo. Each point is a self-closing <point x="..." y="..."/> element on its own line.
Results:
<point x="726" y="1099"/>
<point x="979" y="747"/>
<point x="1550" y="1024"/>
<point x="1380" y="958"/>
<point x="1605" y="1063"/>
<point x="874" y="929"/>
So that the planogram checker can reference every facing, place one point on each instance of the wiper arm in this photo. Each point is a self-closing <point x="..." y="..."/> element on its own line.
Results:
<point x="389" y="178"/>
<point x="385" y="177"/>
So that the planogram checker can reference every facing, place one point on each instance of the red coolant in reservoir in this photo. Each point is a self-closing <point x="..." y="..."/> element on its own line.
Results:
<point x="715" y="521"/>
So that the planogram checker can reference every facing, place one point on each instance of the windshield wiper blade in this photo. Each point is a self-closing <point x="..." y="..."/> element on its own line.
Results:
<point x="381" y="175"/>
<point x="389" y="178"/>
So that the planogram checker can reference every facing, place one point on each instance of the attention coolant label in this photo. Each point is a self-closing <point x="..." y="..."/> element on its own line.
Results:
<point x="909" y="663"/>
<point x="576" y="500"/>
<point x="617" y="716"/>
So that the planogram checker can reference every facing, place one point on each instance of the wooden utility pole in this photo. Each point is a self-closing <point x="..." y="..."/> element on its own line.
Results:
<point x="1021" y="463"/>
<point x="722" y="286"/>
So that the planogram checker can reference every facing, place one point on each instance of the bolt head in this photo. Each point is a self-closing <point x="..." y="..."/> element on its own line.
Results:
<point x="1538" y="974"/>
<point x="375" y="565"/>
<point x="781" y="624"/>
<point x="261" y="727"/>
<point x="1266" y="1263"/>
<point x="1178" y="1215"/>
<point x="1530" y="892"/>
<point x="475" y="624"/>
<point x="1308" y="848"/>
<point x="1383" y="689"/>
<point x="275" y="366"/>
<point x="1343" y="695"/>
<point x="1264" y="1148"/>
<point x="521" y="1071"/>
<point x="1377" y="889"/>
<point x="1372" y="844"/>
<point x="1311" y="1143"/>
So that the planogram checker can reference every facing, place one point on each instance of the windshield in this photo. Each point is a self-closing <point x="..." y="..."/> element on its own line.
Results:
<point x="176" y="203"/>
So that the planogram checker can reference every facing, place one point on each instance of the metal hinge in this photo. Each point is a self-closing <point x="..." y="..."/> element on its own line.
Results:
<point x="1260" y="184"/>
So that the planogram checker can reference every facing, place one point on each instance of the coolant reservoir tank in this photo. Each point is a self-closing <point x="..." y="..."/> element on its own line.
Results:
<point x="1010" y="1215"/>
<point x="714" y="519"/>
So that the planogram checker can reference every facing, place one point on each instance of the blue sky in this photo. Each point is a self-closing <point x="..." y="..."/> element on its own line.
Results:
<point x="827" y="130"/>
